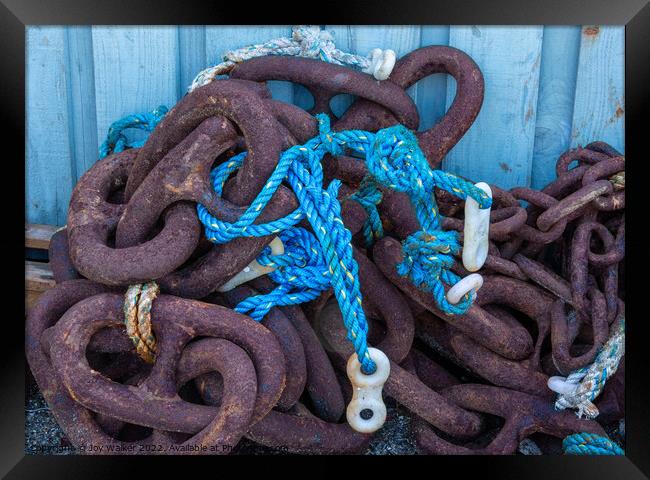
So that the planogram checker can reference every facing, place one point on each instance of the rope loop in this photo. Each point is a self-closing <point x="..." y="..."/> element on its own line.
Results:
<point x="138" y="301"/>
<point x="219" y="231"/>
<point x="301" y="274"/>
<point x="116" y="141"/>
<point x="590" y="380"/>
<point x="428" y="258"/>
<point x="308" y="42"/>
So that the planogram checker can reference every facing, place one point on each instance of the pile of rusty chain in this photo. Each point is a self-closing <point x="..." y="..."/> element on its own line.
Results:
<point x="473" y="383"/>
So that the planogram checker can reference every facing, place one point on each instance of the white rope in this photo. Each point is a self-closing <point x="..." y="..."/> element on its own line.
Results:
<point x="308" y="42"/>
<point x="529" y="447"/>
<point x="580" y="388"/>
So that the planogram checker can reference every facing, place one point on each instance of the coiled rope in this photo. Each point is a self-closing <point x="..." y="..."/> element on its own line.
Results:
<point x="590" y="444"/>
<point x="394" y="160"/>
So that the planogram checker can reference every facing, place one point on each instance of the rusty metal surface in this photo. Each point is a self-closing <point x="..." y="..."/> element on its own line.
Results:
<point x="552" y="286"/>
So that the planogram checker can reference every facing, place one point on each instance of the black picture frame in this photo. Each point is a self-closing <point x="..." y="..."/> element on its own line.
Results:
<point x="15" y="15"/>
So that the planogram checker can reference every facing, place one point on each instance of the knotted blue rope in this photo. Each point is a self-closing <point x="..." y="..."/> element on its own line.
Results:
<point x="395" y="160"/>
<point x="369" y="196"/>
<point x="301" y="274"/>
<point x="116" y="141"/>
<point x="590" y="444"/>
<point x="301" y="166"/>
<point x="218" y="231"/>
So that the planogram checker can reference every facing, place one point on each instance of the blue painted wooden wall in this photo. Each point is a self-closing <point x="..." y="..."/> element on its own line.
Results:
<point x="546" y="89"/>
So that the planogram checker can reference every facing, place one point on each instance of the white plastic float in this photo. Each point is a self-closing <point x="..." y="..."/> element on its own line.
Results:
<point x="254" y="269"/>
<point x="366" y="393"/>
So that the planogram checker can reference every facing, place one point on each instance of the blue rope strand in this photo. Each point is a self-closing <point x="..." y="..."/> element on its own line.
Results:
<point x="369" y="196"/>
<point x="301" y="274"/>
<point x="301" y="167"/>
<point x="394" y="160"/>
<point x="116" y="141"/>
<point x="590" y="444"/>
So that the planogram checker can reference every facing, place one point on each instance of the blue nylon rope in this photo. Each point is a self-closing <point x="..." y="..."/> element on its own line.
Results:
<point x="301" y="273"/>
<point x="590" y="444"/>
<point x="369" y="196"/>
<point x="301" y="166"/>
<point x="394" y="160"/>
<point x="116" y="141"/>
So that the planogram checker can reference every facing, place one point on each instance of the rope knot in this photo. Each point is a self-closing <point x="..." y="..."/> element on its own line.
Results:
<point x="369" y="197"/>
<point x="328" y="139"/>
<point x="396" y="160"/>
<point x="428" y="258"/>
<point x="116" y="141"/>
<point x="301" y="274"/>
<point x="426" y="255"/>
<point x="313" y="41"/>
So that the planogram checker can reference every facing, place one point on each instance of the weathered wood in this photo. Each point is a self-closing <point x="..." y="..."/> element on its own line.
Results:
<point x="136" y="69"/>
<point x="191" y="47"/>
<point x="81" y="85"/>
<point x="498" y="147"/>
<point x="48" y="164"/>
<point x="81" y="79"/>
<point x="38" y="279"/>
<point x="557" y="82"/>
<point x="39" y="235"/>
<point x="599" y="111"/>
<point x="38" y="276"/>
<point x="31" y="297"/>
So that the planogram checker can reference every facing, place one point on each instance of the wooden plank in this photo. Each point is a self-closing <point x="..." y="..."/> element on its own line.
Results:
<point x="191" y="47"/>
<point x="80" y="79"/>
<point x="221" y="39"/>
<point x="39" y="235"/>
<point x="557" y="82"/>
<point x="136" y="69"/>
<point x="38" y="276"/>
<point x="432" y="90"/>
<point x="82" y="113"/>
<point x="38" y="279"/>
<point x="48" y="176"/>
<point x="599" y="110"/>
<point x="498" y="147"/>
